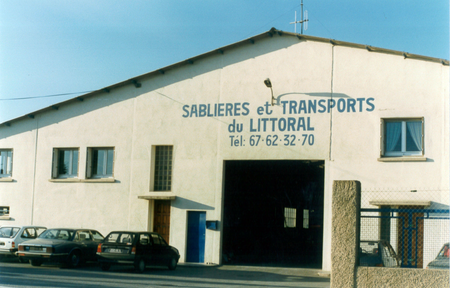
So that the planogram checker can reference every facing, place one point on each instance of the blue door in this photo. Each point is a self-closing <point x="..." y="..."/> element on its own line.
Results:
<point x="196" y="237"/>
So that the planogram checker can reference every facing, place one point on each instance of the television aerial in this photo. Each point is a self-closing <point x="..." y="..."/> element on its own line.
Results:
<point x="302" y="21"/>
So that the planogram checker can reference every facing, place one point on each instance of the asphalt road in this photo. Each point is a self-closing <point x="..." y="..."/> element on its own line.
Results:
<point x="14" y="274"/>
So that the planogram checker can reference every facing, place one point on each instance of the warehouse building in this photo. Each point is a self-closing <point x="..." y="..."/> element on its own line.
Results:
<point x="231" y="155"/>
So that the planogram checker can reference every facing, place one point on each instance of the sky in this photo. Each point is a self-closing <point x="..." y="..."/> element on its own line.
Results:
<point x="54" y="50"/>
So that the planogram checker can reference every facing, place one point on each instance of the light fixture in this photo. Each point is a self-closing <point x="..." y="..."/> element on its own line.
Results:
<point x="269" y="85"/>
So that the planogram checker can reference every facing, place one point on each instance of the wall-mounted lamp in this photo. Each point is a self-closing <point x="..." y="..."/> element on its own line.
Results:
<point x="269" y="85"/>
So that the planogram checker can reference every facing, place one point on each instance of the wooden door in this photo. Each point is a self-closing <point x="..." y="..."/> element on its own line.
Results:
<point x="410" y="237"/>
<point x="161" y="216"/>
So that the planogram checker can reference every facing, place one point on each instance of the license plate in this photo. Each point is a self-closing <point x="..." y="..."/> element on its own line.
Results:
<point x="115" y="250"/>
<point x="37" y="248"/>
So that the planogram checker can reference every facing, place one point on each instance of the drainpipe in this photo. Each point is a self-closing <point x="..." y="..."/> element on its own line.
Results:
<point x="34" y="171"/>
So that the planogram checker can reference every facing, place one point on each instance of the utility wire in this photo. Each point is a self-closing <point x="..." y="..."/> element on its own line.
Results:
<point x="45" y="96"/>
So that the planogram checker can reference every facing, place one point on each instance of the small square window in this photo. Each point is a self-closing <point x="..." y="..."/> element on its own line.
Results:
<point x="100" y="163"/>
<point x="4" y="210"/>
<point x="402" y="137"/>
<point x="65" y="163"/>
<point x="5" y="163"/>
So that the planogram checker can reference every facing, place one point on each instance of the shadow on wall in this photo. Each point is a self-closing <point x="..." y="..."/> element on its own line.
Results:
<point x="138" y="86"/>
<point x="183" y="203"/>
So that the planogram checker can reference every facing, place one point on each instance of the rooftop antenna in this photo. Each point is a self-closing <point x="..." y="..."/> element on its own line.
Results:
<point x="302" y="21"/>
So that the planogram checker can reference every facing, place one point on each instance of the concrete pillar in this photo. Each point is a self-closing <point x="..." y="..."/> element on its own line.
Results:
<point x="345" y="233"/>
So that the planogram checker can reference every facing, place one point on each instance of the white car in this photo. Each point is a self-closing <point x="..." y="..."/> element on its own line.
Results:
<point x="11" y="236"/>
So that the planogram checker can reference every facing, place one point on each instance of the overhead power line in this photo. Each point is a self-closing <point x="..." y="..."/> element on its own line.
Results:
<point x="45" y="96"/>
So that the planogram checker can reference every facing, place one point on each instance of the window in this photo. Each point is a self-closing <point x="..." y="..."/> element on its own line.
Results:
<point x="4" y="210"/>
<point x="8" y="232"/>
<point x="5" y="163"/>
<point x="82" y="236"/>
<point x="163" y="168"/>
<point x="65" y="163"/>
<point x="403" y="137"/>
<point x="158" y="240"/>
<point x="290" y="217"/>
<point x="306" y="218"/>
<point x="100" y="162"/>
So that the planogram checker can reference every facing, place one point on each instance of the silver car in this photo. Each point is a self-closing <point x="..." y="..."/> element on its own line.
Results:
<point x="11" y="236"/>
<point x="442" y="260"/>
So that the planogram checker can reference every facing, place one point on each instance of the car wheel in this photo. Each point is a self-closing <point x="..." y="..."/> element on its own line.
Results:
<point x="105" y="267"/>
<point x="21" y="260"/>
<point x="36" y="262"/>
<point x="139" y="265"/>
<point x="74" y="259"/>
<point x="172" y="264"/>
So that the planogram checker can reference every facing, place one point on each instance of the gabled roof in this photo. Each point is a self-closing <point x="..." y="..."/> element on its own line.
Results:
<point x="249" y="41"/>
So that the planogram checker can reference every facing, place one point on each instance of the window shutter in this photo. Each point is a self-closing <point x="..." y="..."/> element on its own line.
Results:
<point x="89" y="163"/>
<point x="423" y="136"/>
<point x="113" y="162"/>
<point x="55" y="164"/>
<point x="78" y="161"/>
<point x="382" y="137"/>
<point x="11" y="163"/>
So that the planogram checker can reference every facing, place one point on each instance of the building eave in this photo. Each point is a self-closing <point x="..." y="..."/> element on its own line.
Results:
<point x="135" y="81"/>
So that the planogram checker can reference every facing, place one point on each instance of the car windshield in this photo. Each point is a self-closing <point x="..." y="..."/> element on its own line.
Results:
<point x="370" y="248"/>
<point x="117" y="237"/>
<point x="8" y="232"/>
<point x="61" y="234"/>
<point x="445" y="252"/>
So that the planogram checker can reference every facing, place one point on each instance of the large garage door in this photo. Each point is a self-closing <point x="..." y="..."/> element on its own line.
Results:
<point x="273" y="213"/>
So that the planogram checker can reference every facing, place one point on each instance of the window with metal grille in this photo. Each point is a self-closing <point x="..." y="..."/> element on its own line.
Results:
<point x="290" y="217"/>
<point x="163" y="168"/>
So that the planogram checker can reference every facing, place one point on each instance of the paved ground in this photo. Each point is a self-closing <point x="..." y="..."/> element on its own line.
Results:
<point x="13" y="274"/>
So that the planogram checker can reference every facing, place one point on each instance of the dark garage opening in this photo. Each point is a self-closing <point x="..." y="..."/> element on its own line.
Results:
<point x="273" y="213"/>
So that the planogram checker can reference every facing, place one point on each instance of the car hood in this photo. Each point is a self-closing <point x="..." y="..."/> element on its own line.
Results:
<point x="440" y="262"/>
<point x="45" y="242"/>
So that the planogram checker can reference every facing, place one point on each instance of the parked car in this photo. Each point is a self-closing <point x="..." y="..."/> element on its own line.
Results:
<point x="377" y="253"/>
<point x="140" y="249"/>
<point x="442" y="260"/>
<point x="70" y="247"/>
<point x="11" y="236"/>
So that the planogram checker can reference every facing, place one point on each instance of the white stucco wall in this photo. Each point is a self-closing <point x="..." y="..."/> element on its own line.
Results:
<point x="132" y="120"/>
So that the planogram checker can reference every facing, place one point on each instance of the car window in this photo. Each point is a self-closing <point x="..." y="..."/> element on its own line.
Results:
<point x="96" y="236"/>
<point x="156" y="239"/>
<point x="112" y="238"/>
<point x="445" y="252"/>
<point x="162" y="241"/>
<point x="370" y="248"/>
<point x="126" y="238"/>
<point x="56" y="234"/>
<point x="7" y="232"/>
<point x="64" y="235"/>
<point x="83" y="236"/>
<point x="39" y="231"/>
<point x="117" y="237"/>
<point x="28" y="233"/>
<point x="144" y="239"/>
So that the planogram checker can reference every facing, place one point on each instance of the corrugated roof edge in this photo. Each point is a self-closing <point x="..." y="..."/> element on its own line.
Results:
<point x="221" y="50"/>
